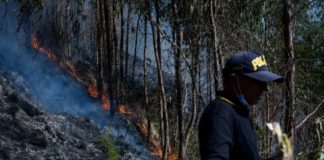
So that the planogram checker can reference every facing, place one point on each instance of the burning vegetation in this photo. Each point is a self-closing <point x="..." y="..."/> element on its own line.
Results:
<point x="38" y="46"/>
<point x="87" y="78"/>
<point x="141" y="125"/>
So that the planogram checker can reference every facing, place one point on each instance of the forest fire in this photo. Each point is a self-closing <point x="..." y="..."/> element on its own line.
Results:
<point x="92" y="90"/>
<point x="69" y="67"/>
<point x="155" y="148"/>
<point x="105" y="104"/>
<point x="87" y="78"/>
<point x="126" y="111"/>
<point x="37" y="45"/>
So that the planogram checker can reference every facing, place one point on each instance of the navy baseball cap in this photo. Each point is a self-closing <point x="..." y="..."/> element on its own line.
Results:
<point x="251" y="64"/>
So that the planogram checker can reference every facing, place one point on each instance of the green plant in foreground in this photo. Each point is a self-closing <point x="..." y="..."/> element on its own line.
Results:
<point x="108" y="143"/>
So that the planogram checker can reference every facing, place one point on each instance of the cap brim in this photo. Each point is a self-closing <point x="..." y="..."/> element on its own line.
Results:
<point x="264" y="76"/>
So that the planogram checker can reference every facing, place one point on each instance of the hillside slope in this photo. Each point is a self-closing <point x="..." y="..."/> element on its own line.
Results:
<point x="28" y="132"/>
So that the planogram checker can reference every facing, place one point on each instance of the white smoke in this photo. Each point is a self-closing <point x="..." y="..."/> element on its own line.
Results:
<point x="51" y="86"/>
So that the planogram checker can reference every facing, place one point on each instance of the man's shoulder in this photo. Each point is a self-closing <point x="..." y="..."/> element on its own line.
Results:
<point x="219" y="106"/>
<point x="218" y="111"/>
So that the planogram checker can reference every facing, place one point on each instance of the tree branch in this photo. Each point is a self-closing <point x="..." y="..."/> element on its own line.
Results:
<point x="308" y="116"/>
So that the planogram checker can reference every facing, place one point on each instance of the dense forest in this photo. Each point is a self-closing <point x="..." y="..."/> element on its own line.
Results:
<point x="163" y="60"/>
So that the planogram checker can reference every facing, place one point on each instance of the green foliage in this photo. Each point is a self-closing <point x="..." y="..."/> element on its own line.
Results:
<point x="107" y="142"/>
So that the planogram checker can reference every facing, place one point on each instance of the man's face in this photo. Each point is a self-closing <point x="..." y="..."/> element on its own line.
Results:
<point x="252" y="89"/>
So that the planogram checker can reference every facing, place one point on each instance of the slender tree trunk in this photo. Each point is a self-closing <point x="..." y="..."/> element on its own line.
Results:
<point x="194" y="48"/>
<point x="68" y="30"/>
<point x="61" y="33"/>
<point x="115" y="51"/>
<point x="290" y="66"/>
<point x="268" y="137"/>
<point x="163" y="103"/>
<point x="178" y="80"/>
<point x="104" y="46"/>
<point x="107" y="87"/>
<point x="155" y="50"/>
<point x="158" y="36"/>
<point x="99" y="44"/>
<point x="161" y="127"/>
<point x="209" y="74"/>
<point x="146" y="83"/>
<point x="135" y="49"/>
<point x="121" y="51"/>
<point x="127" y="37"/>
<point x="158" y="58"/>
<point x="217" y="57"/>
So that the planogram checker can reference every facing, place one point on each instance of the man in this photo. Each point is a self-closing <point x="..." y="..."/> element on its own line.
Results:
<point x="225" y="128"/>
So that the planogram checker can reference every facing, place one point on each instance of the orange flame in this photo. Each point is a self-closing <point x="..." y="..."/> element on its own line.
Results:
<point x="69" y="67"/>
<point x="37" y="45"/>
<point x="92" y="90"/>
<point x="91" y="82"/>
<point x="155" y="148"/>
<point x="126" y="111"/>
<point x="88" y="79"/>
<point x="157" y="151"/>
<point x="105" y="104"/>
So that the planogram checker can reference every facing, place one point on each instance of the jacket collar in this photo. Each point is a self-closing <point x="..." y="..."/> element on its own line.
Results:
<point x="233" y="101"/>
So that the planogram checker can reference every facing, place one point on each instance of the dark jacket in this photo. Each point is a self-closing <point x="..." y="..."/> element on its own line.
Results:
<point x="226" y="132"/>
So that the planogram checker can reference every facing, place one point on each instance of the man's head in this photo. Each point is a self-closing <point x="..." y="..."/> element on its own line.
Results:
<point x="246" y="75"/>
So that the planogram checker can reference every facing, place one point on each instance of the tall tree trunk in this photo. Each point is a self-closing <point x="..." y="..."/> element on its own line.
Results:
<point x="163" y="103"/>
<point x="115" y="51"/>
<point x="217" y="57"/>
<point x="107" y="87"/>
<point x="155" y="50"/>
<point x="194" y="49"/>
<point x="290" y="66"/>
<point x="99" y="20"/>
<point x="69" y="30"/>
<point x="127" y="37"/>
<point x="158" y="35"/>
<point x="105" y="29"/>
<point x="121" y="52"/>
<point x="135" y="49"/>
<point x="266" y="44"/>
<point x="61" y="31"/>
<point x="209" y="73"/>
<point x="146" y="83"/>
<point x="100" y="45"/>
<point x="178" y="80"/>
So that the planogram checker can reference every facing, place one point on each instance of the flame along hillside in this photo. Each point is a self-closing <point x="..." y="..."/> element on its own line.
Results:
<point x="88" y="79"/>
<point x="49" y="88"/>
